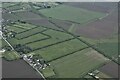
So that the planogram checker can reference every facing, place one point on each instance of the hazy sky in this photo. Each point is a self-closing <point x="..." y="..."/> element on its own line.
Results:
<point x="61" y="0"/>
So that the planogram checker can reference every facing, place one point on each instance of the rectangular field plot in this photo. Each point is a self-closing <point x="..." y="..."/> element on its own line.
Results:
<point x="15" y="29"/>
<point x="31" y="39"/>
<point x="24" y="26"/>
<point x="56" y="36"/>
<point x="78" y="64"/>
<point x="30" y="32"/>
<point x="58" y="50"/>
<point x="71" y="13"/>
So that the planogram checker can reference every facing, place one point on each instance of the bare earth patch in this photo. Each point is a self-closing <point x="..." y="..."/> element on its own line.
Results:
<point x="100" y="28"/>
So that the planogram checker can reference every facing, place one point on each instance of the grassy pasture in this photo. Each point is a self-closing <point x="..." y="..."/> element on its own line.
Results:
<point x="20" y="27"/>
<point x="55" y="37"/>
<point x="24" y="26"/>
<point x="32" y="38"/>
<point x="48" y="72"/>
<point x="61" y="49"/>
<point x="11" y="55"/>
<point x="102" y="40"/>
<point x="3" y="43"/>
<point x="30" y="32"/>
<point x="108" y="46"/>
<point x="71" y="13"/>
<point x="109" y="49"/>
<point x="15" y="29"/>
<point x="78" y="64"/>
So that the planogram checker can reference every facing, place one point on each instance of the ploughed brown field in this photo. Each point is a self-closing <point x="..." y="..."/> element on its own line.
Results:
<point x="97" y="6"/>
<point x="110" y="69"/>
<point x="42" y="22"/>
<point x="100" y="28"/>
<point x="62" y="23"/>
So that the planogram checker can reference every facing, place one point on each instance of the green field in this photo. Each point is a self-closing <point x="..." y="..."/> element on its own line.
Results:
<point x="108" y="46"/>
<point x="33" y="38"/>
<point x="61" y="49"/>
<point x="11" y="55"/>
<point x="15" y="29"/>
<point x="109" y="49"/>
<point x="71" y="13"/>
<point x="56" y="36"/>
<point x="3" y="43"/>
<point x="111" y="39"/>
<point x="25" y="26"/>
<point x="30" y="32"/>
<point x="78" y="64"/>
<point x="48" y="72"/>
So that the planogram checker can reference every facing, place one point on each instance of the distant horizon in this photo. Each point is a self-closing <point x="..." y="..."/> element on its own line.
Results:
<point x="60" y="0"/>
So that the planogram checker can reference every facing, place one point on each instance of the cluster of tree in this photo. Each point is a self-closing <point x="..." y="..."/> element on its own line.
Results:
<point x="22" y="21"/>
<point x="41" y="60"/>
<point x="59" y="2"/>
<point x="7" y="48"/>
<point x="22" y="49"/>
<point x="8" y="34"/>
<point x="38" y="56"/>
